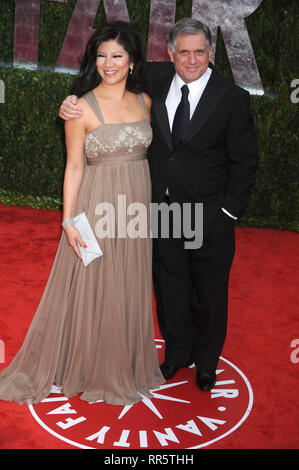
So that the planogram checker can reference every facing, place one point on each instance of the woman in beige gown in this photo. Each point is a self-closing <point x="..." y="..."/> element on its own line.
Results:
<point x="93" y="330"/>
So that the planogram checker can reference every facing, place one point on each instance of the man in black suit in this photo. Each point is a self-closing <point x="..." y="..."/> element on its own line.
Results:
<point x="204" y="150"/>
<point x="208" y="154"/>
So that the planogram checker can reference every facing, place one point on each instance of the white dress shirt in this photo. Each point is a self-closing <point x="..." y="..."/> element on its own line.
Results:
<point x="174" y="96"/>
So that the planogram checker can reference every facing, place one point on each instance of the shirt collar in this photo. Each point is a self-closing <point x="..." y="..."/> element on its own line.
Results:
<point x="196" y="86"/>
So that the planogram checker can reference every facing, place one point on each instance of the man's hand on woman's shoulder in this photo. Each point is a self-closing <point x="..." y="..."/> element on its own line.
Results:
<point x="69" y="109"/>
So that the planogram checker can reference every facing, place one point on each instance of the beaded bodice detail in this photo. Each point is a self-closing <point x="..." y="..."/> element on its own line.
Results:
<point x="109" y="141"/>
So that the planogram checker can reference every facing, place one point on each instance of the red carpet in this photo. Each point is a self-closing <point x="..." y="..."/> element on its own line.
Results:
<point x="254" y="404"/>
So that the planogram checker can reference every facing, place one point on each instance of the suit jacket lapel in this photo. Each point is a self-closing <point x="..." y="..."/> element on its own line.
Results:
<point x="211" y="97"/>
<point x="161" y="111"/>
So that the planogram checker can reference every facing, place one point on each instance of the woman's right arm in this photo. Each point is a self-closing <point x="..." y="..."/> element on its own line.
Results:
<point x="74" y="138"/>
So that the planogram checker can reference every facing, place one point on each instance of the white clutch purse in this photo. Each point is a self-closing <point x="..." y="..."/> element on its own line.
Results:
<point x="93" y="249"/>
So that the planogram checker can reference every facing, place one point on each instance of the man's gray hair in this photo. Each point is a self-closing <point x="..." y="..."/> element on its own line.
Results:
<point x="189" y="26"/>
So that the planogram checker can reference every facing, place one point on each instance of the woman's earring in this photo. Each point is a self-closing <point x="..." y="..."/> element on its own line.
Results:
<point x="131" y="69"/>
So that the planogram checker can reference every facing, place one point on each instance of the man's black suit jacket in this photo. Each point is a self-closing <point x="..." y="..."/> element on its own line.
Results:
<point x="215" y="163"/>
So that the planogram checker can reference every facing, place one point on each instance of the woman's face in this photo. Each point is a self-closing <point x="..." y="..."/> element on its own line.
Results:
<point x="113" y="62"/>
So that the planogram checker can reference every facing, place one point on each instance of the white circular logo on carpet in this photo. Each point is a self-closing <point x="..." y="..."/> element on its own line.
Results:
<point x="179" y="416"/>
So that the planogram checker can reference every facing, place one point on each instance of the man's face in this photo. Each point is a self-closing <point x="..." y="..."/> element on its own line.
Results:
<point x="191" y="56"/>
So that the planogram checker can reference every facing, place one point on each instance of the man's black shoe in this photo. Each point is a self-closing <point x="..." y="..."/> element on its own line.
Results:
<point x="204" y="380"/>
<point x="169" y="372"/>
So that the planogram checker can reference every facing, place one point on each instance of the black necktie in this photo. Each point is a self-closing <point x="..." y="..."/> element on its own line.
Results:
<point x="182" y="116"/>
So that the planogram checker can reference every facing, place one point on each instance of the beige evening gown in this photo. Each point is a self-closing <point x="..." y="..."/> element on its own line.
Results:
<point x="93" y="330"/>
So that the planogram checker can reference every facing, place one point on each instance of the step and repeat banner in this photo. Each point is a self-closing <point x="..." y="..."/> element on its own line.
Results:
<point x="228" y="15"/>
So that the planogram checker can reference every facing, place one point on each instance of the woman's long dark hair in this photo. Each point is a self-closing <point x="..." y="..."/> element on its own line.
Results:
<point x="125" y="35"/>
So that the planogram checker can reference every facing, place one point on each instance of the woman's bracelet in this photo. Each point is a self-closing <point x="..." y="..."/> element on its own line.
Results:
<point x="67" y="223"/>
